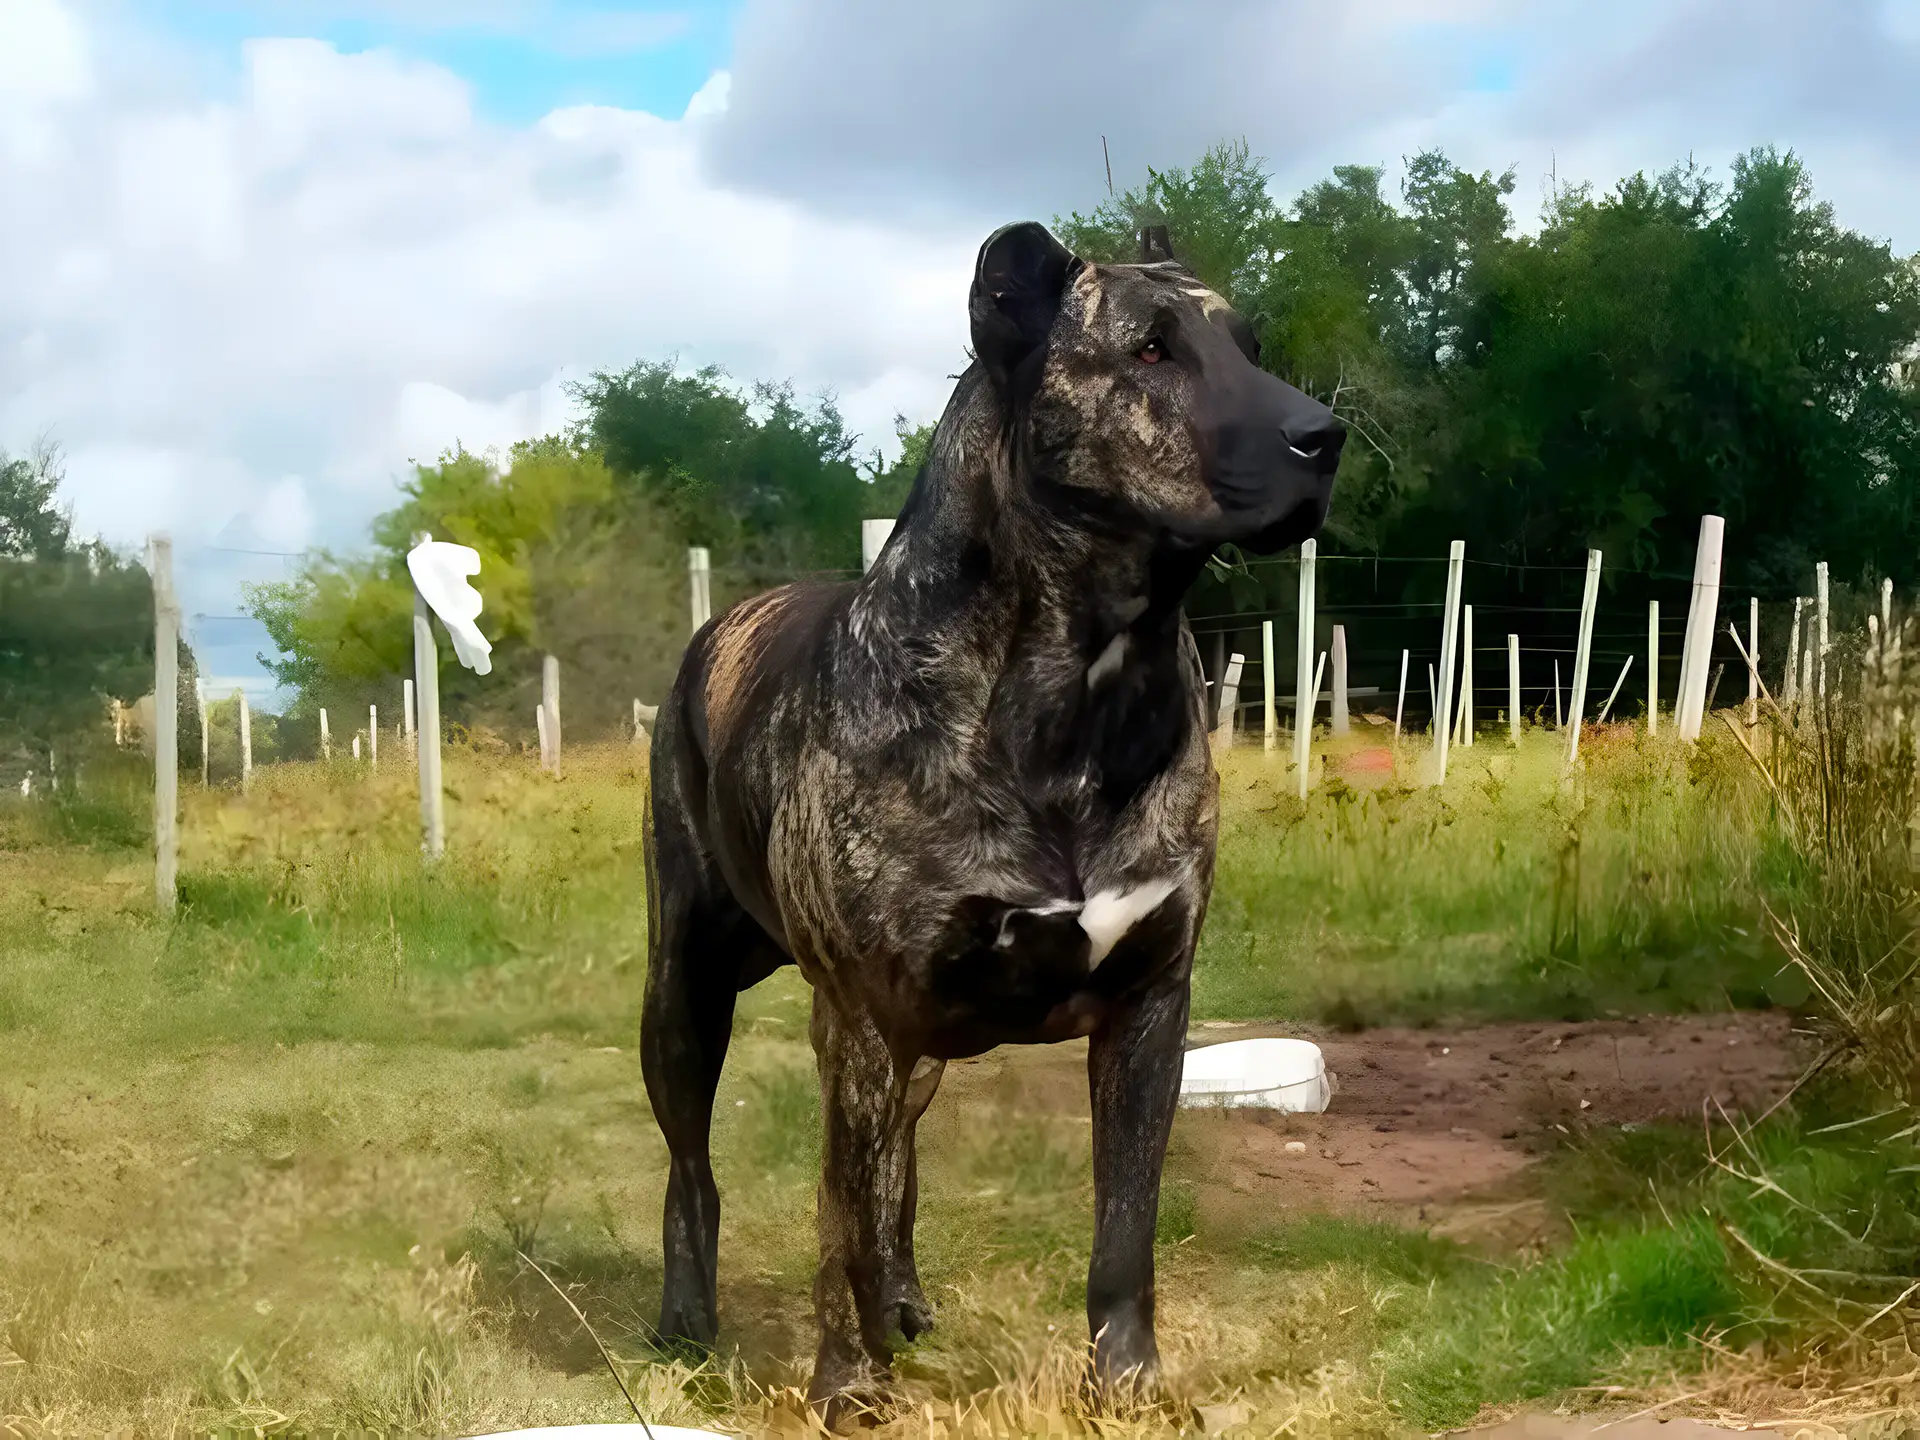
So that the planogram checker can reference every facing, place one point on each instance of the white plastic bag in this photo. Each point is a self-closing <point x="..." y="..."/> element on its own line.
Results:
<point x="439" y="571"/>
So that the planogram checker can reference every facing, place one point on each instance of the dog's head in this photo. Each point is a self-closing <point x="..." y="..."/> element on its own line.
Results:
<point x="1142" y="397"/>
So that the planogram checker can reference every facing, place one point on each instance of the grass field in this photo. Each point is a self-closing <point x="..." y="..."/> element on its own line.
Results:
<point x="269" y="1166"/>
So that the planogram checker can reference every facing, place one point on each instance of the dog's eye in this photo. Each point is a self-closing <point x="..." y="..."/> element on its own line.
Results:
<point x="1152" y="353"/>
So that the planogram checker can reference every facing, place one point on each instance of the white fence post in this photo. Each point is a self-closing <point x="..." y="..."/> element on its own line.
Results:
<point x="1702" y="619"/>
<point x="166" y="722"/>
<point x="326" y="739"/>
<point x="1449" y="640"/>
<point x="699" y="585"/>
<point x="1319" y="669"/>
<point x="1559" y="716"/>
<point x="356" y="745"/>
<point x="246" y="741"/>
<point x="1305" y="696"/>
<point x="373" y="736"/>
<point x="1340" y="724"/>
<point x="550" y="702"/>
<point x="1400" y="704"/>
<point x="1271" y="731"/>
<point x="426" y="694"/>
<point x="1583" y="653"/>
<point x="1820" y="600"/>
<point x="540" y="727"/>
<point x="1653" y="667"/>
<point x="873" y="539"/>
<point x="1466" y="677"/>
<point x="1614" y="693"/>
<point x="1790" y="688"/>
<point x="1513" y="687"/>
<point x="1229" y="701"/>
<point x="406" y="714"/>
<point x="1433" y="697"/>
<point x="1753" y="650"/>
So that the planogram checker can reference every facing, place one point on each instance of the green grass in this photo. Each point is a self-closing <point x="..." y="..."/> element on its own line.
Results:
<point x="268" y="1164"/>
<point x="1509" y="893"/>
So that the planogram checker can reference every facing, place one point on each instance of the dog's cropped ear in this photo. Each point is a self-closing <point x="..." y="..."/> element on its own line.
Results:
<point x="1017" y="284"/>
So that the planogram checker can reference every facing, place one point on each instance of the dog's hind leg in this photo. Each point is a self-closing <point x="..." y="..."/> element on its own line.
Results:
<point x="703" y="947"/>
<point x="907" y="1305"/>
<point x="863" y="1184"/>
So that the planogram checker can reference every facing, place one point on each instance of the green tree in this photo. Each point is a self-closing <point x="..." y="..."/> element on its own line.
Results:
<point x="76" y="625"/>
<point x="568" y="566"/>
<point x="771" y="486"/>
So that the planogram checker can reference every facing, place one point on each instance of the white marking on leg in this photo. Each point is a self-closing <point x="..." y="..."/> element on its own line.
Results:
<point x="1110" y="914"/>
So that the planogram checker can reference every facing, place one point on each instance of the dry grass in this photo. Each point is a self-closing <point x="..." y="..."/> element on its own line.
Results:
<point x="267" y="1168"/>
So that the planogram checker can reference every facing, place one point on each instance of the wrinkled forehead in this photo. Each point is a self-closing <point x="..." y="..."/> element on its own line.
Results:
<point x="1125" y="302"/>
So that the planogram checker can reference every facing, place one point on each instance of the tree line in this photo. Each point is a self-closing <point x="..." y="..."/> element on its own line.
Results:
<point x="1674" y="345"/>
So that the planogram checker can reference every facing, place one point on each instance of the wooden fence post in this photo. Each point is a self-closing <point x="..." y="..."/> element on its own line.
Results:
<point x="1702" y="621"/>
<point x="550" y="702"/>
<point x="246" y="741"/>
<point x="1340" y="723"/>
<point x="699" y="585"/>
<point x="540" y="728"/>
<point x="1449" y="641"/>
<point x="206" y="750"/>
<point x="166" y="722"/>
<point x="1753" y="669"/>
<point x="1305" y="696"/>
<point x="1271" y="717"/>
<point x="873" y="539"/>
<point x="1583" y="653"/>
<point x="1790" y="686"/>
<point x="373" y="736"/>
<point x="426" y="694"/>
<point x="1513" y="688"/>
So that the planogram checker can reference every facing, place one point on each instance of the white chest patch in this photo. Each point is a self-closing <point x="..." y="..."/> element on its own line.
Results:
<point x="1110" y="914"/>
<point x="1108" y="661"/>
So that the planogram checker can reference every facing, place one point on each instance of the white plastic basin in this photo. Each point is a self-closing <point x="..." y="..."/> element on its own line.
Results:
<point x="1257" y="1074"/>
<point x="623" y="1430"/>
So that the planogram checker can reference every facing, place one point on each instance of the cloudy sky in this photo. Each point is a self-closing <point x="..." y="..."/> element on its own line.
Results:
<point x="257" y="254"/>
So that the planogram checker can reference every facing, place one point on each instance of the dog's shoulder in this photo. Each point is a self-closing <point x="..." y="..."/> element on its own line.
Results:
<point x="771" y="641"/>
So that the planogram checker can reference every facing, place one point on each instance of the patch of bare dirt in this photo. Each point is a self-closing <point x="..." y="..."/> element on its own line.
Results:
<point x="1435" y="1125"/>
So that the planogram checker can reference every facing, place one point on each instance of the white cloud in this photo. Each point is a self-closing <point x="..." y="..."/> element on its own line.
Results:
<point x="44" y="62"/>
<point x="262" y="304"/>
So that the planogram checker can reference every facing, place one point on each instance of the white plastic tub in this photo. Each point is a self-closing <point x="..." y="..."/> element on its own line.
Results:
<point x="1257" y="1074"/>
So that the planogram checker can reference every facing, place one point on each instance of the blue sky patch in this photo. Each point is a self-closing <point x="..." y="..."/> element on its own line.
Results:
<point x="522" y="57"/>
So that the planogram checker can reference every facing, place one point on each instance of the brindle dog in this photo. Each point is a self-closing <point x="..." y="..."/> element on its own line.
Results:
<point x="970" y="795"/>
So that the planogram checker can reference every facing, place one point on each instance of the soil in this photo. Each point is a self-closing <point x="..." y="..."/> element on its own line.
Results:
<point x="1435" y="1126"/>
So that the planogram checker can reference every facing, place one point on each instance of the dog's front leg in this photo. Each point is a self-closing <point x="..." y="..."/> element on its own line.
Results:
<point x="1133" y="1071"/>
<point x="864" y="1113"/>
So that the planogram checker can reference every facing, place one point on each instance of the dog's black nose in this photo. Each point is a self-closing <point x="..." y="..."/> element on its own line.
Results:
<point x="1317" y="437"/>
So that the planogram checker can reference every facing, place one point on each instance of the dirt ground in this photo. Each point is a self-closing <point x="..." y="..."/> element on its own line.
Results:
<point x="1434" y="1126"/>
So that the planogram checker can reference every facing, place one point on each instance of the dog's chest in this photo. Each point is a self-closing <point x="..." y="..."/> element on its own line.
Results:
<point x="987" y="885"/>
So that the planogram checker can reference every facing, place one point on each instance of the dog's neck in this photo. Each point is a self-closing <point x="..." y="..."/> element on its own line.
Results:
<point x="1020" y="608"/>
